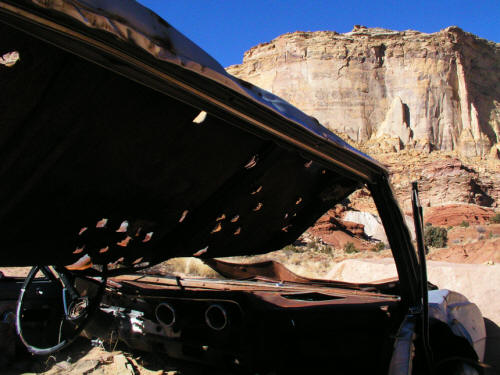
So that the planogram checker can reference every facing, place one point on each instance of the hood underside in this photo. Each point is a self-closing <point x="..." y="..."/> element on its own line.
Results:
<point x="95" y="163"/>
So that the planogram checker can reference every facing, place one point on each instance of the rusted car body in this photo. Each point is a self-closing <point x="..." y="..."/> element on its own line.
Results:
<point x="123" y="143"/>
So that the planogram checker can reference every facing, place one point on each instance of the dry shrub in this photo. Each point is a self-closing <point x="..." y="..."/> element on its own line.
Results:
<point x="435" y="236"/>
<point x="350" y="248"/>
<point x="379" y="246"/>
<point x="496" y="219"/>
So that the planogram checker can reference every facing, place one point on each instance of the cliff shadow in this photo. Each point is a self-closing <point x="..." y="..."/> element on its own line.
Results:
<point x="486" y="106"/>
<point x="482" y="196"/>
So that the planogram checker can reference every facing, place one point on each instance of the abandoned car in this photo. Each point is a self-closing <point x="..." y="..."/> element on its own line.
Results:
<point x="123" y="145"/>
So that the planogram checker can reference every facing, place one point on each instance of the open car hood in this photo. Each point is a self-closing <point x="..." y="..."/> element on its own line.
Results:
<point x="124" y="142"/>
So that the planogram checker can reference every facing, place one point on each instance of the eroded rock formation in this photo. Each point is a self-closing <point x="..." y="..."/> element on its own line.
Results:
<point x="443" y="179"/>
<point x="458" y="214"/>
<point x="437" y="91"/>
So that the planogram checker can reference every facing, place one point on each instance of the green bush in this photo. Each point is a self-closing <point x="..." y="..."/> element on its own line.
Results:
<point x="464" y="224"/>
<point x="435" y="236"/>
<point x="379" y="246"/>
<point x="496" y="219"/>
<point x="350" y="248"/>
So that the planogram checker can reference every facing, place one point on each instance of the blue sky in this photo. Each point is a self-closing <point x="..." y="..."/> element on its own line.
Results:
<point x="227" y="28"/>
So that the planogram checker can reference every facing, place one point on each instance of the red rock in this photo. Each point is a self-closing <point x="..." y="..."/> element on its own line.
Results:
<point x="339" y="239"/>
<point x="461" y="235"/>
<point x="455" y="214"/>
<point x="355" y="228"/>
<point x="337" y="233"/>
<point x="481" y="251"/>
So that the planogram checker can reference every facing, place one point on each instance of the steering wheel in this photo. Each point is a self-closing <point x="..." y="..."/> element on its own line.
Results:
<point x="52" y="310"/>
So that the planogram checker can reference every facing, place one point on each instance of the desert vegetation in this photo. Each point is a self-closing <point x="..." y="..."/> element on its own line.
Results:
<point x="379" y="246"/>
<point x="435" y="236"/>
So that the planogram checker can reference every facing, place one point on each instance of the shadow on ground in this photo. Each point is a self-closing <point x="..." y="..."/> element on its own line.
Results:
<point x="76" y="359"/>
<point x="24" y="362"/>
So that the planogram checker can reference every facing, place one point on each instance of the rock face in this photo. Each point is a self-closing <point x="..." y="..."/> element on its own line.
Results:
<point x="372" y="224"/>
<point x="436" y="91"/>
<point x="456" y="214"/>
<point x="442" y="179"/>
<point x="336" y="232"/>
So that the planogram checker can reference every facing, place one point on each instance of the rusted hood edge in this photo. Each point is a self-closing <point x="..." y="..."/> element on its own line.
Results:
<point x="275" y="271"/>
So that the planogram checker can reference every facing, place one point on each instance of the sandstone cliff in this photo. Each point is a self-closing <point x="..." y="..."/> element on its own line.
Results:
<point x="436" y="91"/>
